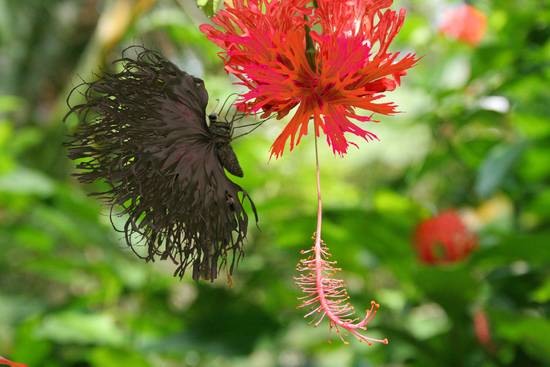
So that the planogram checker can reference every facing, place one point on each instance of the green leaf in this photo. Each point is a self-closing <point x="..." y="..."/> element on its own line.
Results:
<point x="535" y="165"/>
<point x="10" y="103"/>
<point x="34" y="239"/>
<point x="531" y="332"/>
<point x="496" y="167"/>
<point x="108" y="357"/>
<point x="532" y="248"/>
<point x="451" y="286"/>
<point x="542" y="294"/>
<point x="210" y="7"/>
<point x="26" y="181"/>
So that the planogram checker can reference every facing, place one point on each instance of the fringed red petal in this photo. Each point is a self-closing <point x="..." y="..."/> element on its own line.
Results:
<point x="264" y="44"/>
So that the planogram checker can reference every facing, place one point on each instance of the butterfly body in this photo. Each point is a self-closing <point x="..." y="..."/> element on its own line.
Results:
<point x="229" y="160"/>
<point x="221" y="133"/>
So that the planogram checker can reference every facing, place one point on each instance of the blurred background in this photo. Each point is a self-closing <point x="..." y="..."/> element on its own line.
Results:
<point x="469" y="155"/>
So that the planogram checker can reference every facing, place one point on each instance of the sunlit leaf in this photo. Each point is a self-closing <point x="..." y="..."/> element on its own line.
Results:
<point x="26" y="181"/>
<point x="81" y="328"/>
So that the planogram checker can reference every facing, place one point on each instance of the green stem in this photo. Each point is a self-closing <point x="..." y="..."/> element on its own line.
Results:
<point x="310" y="46"/>
<point x="310" y="49"/>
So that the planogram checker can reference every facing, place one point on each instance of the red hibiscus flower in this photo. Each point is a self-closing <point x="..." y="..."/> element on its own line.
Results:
<point x="444" y="239"/>
<point x="465" y="23"/>
<point x="328" y="60"/>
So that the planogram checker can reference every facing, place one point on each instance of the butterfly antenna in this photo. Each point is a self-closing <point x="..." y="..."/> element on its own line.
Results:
<point x="225" y="102"/>
<point x="237" y="116"/>
<point x="217" y="104"/>
<point x="254" y="123"/>
<point x="236" y="95"/>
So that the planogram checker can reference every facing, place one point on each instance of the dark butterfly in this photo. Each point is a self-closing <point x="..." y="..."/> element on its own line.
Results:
<point x="144" y="131"/>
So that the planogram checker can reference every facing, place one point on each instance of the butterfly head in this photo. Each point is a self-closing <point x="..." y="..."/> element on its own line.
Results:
<point x="221" y="129"/>
<point x="213" y="118"/>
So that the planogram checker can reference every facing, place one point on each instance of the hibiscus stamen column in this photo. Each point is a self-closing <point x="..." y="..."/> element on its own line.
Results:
<point x="326" y="296"/>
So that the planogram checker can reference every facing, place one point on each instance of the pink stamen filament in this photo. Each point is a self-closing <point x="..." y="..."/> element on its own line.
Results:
<point x="326" y="296"/>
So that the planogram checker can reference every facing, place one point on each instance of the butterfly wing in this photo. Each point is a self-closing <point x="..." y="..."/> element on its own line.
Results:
<point x="144" y="132"/>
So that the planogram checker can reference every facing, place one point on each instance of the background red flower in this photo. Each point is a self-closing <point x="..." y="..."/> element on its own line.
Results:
<point x="443" y="239"/>
<point x="465" y="23"/>
<point x="482" y="329"/>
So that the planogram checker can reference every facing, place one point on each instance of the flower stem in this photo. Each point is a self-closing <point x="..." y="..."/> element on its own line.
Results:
<point x="310" y="48"/>
<point x="319" y="199"/>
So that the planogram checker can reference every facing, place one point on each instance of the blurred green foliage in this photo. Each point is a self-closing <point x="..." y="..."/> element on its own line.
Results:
<point x="475" y="136"/>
